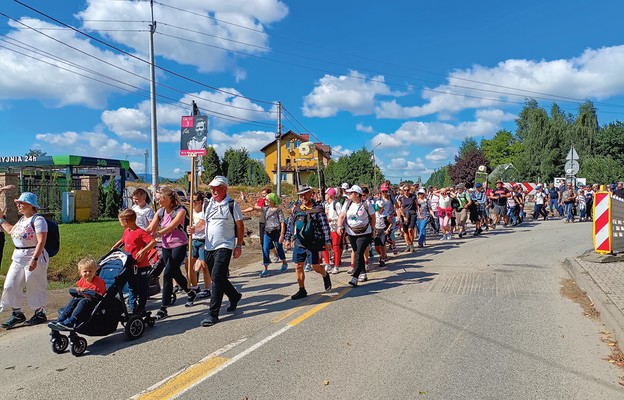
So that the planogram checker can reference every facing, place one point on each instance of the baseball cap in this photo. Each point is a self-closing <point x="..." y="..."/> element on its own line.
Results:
<point x="384" y="186"/>
<point x="421" y="190"/>
<point x="499" y="181"/>
<point x="355" y="188"/>
<point x="478" y="185"/>
<point x="218" y="181"/>
<point x="345" y="186"/>
<point x="331" y="191"/>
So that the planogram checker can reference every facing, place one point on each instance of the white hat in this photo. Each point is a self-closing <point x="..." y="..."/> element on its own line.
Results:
<point x="345" y="186"/>
<point x="422" y="190"/>
<point x="354" y="188"/>
<point x="218" y="181"/>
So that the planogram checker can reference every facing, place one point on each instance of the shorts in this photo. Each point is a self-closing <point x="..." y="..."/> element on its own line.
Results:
<point x="198" y="249"/>
<point x="301" y="254"/>
<point x="500" y="210"/>
<point x="409" y="222"/>
<point x="380" y="237"/>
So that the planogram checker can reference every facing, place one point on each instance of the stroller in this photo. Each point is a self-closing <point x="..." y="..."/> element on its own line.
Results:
<point x="109" y="310"/>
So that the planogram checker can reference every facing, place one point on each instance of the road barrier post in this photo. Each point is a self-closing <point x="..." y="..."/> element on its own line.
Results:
<point x="608" y="224"/>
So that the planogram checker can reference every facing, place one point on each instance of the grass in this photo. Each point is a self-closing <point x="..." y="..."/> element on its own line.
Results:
<point x="88" y="239"/>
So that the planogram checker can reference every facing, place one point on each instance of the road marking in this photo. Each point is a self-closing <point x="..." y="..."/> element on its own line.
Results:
<point x="318" y="308"/>
<point x="294" y="310"/>
<point x="179" y="383"/>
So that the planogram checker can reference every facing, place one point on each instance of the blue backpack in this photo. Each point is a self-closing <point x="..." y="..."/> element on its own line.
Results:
<point x="53" y="241"/>
<point x="308" y="230"/>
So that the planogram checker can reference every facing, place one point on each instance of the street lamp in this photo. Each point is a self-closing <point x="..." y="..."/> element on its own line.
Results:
<point x="374" y="165"/>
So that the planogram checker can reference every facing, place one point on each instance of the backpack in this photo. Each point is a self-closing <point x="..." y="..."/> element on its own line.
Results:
<point x="184" y="225"/>
<point x="358" y="231"/>
<point x="231" y="208"/>
<point x="53" y="240"/>
<point x="308" y="230"/>
<point x="455" y="204"/>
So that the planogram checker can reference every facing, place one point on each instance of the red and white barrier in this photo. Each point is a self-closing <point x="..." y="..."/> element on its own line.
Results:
<point x="608" y="214"/>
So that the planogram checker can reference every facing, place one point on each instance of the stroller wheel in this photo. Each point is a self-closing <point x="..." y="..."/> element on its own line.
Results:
<point x="134" y="327"/>
<point x="78" y="346"/>
<point x="59" y="344"/>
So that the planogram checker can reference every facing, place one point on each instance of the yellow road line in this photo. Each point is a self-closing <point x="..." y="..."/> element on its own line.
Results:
<point x="292" y="311"/>
<point x="184" y="380"/>
<point x="317" y="308"/>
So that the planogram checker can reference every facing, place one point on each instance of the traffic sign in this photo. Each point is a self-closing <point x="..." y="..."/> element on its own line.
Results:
<point x="572" y="155"/>
<point x="572" y="167"/>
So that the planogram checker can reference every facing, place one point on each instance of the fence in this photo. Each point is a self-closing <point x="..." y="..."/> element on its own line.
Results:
<point x="49" y="193"/>
<point x="608" y="225"/>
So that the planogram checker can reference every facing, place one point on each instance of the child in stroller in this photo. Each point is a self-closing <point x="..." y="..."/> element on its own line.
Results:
<point x="109" y="309"/>
<point x="78" y="308"/>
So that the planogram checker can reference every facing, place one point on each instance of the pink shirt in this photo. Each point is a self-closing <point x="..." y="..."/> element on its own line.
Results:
<point x="175" y="238"/>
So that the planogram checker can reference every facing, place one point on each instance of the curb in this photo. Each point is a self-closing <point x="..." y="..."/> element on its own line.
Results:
<point x="610" y="315"/>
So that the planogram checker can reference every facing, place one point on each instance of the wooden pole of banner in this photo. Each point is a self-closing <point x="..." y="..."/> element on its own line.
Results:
<point x="189" y="267"/>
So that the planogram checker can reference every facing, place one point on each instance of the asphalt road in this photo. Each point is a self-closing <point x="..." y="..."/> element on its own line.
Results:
<point x="479" y="318"/>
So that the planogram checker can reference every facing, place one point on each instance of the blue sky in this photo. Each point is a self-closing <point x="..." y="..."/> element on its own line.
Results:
<point x="411" y="78"/>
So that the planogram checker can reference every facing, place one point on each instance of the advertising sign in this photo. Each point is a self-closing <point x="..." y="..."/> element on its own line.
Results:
<point x="193" y="135"/>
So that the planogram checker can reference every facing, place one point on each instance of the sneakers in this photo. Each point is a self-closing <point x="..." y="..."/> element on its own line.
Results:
<point x="300" y="294"/>
<point x="275" y="259"/>
<point x="350" y="271"/>
<point x="264" y="273"/>
<point x="176" y="289"/>
<point x="394" y="249"/>
<point x="408" y="249"/>
<point x="353" y="281"/>
<point x="461" y="234"/>
<point x="204" y="294"/>
<point x="190" y="300"/>
<point x="327" y="267"/>
<point x="234" y="303"/>
<point x="68" y="325"/>
<point x="327" y="281"/>
<point x="335" y="271"/>
<point x="284" y="267"/>
<point x="162" y="314"/>
<point x="210" y="321"/>
<point x="307" y="268"/>
<point x="382" y="263"/>
<point x="363" y="277"/>
<point x="38" y="318"/>
<point x="16" y="318"/>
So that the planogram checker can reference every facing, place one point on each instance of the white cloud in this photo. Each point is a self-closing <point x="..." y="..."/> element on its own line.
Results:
<point x="354" y="93"/>
<point x="253" y="141"/>
<point x="594" y="74"/>
<point x="441" y="134"/>
<point x="127" y="123"/>
<point x="93" y="144"/>
<point x="30" y="77"/>
<point x="339" y="151"/>
<point x="364" y="128"/>
<point x="138" y="167"/>
<point x="208" y="43"/>
<point x="440" y="154"/>
<point x="177" y="171"/>
<point x="403" y="168"/>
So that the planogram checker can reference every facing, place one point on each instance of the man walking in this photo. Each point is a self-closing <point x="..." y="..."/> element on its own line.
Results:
<point x="313" y="213"/>
<point x="223" y="223"/>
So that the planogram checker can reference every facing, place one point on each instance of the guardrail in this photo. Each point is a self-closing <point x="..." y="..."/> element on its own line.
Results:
<point x="608" y="225"/>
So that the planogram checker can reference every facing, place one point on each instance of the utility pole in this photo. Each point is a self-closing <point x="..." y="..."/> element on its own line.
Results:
<point x="278" y="136"/>
<point x="155" y="174"/>
<point x="146" y="167"/>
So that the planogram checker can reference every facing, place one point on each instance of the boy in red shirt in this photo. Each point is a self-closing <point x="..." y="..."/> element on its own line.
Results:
<point x="138" y="243"/>
<point x="78" y="308"/>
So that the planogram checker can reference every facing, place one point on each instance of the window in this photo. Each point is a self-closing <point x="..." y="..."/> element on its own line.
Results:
<point x="288" y="162"/>
<point x="284" y="177"/>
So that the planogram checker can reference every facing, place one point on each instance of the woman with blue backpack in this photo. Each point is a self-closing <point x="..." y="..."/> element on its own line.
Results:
<point x="29" y="266"/>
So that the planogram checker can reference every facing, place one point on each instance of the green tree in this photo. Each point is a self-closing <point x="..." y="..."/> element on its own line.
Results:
<point x="610" y="141"/>
<point x="503" y="148"/>
<point x="113" y="200"/>
<point x="36" y="153"/>
<point x="356" y="168"/>
<point x="256" y="173"/>
<point x="553" y="152"/>
<point x="236" y="161"/>
<point x="465" y="168"/>
<point x="440" y="178"/>
<point x="533" y="124"/>
<point x="601" y="169"/>
<point x="211" y="165"/>
<point x="467" y="145"/>
<point x="584" y="131"/>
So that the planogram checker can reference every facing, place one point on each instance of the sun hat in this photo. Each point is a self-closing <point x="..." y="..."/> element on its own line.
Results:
<point x="331" y="192"/>
<point x="274" y="198"/>
<point x="301" y="189"/>
<point x="356" y="189"/>
<point x="218" y="181"/>
<point x="28" y="198"/>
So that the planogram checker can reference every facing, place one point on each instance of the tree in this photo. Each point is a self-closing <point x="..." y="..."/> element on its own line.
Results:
<point x="554" y="144"/>
<point x="610" y="141"/>
<point x="36" y="153"/>
<point x="601" y="169"/>
<point x="235" y="162"/>
<point x="467" y="145"/>
<point x="465" y="168"/>
<point x="503" y="148"/>
<point x="532" y="125"/>
<point x="211" y="165"/>
<point x="356" y="168"/>
<point x="256" y="173"/>
<point x="440" y="178"/>
<point x="583" y="132"/>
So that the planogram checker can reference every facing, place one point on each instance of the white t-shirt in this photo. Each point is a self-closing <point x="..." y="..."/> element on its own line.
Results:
<point x="333" y="211"/>
<point x="220" y="225"/>
<point x="23" y="235"/>
<point x="357" y="217"/>
<point x="145" y="215"/>
<point x="539" y="197"/>
<point x="434" y="200"/>
<point x="198" y="216"/>
<point x="444" y="202"/>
